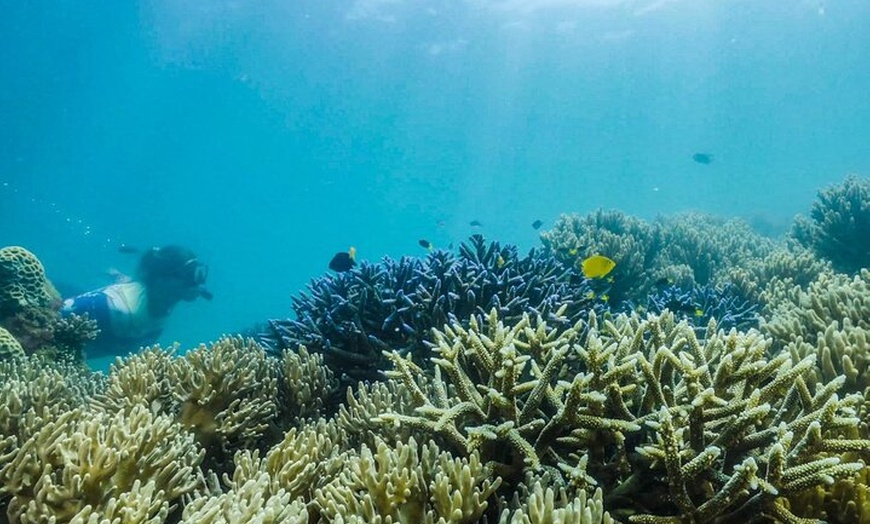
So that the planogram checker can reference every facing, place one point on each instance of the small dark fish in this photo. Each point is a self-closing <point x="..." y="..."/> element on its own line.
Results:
<point x="343" y="261"/>
<point x="663" y="282"/>
<point x="425" y="244"/>
<point x="127" y="249"/>
<point x="537" y="224"/>
<point x="703" y="158"/>
<point x="475" y="223"/>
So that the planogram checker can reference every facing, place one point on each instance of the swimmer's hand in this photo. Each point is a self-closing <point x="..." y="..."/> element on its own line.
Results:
<point x="117" y="276"/>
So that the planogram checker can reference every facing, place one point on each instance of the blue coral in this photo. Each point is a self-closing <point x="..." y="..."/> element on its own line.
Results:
<point x="352" y="317"/>
<point x="700" y="304"/>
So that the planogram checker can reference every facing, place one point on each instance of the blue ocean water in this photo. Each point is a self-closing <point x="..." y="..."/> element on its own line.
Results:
<point x="269" y="135"/>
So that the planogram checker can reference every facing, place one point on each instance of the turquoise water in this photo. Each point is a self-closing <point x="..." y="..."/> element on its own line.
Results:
<point x="269" y="135"/>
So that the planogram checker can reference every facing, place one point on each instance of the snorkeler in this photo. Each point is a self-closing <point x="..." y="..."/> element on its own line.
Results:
<point x="132" y="314"/>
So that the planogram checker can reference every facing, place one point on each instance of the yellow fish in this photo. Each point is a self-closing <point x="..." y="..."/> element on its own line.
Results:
<point x="499" y="262"/>
<point x="699" y="313"/>
<point x="605" y="298"/>
<point x="597" y="266"/>
<point x="590" y="295"/>
<point x="573" y="251"/>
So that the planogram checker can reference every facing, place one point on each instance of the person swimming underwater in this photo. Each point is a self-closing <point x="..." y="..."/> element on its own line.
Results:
<point x="132" y="314"/>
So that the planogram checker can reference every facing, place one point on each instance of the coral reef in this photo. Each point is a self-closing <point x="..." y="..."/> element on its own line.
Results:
<point x="43" y="331"/>
<point x="22" y="282"/>
<point x="714" y="429"/>
<point x="806" y="313"/>
<point x="352" y="317"/>
<point x="764" y="280"/>
<point x="82" y="463"/>
<point x="407" y="483"/>
<point x="629" y="241"/>
<point x="246" y="503"/>
<point x="34" y="391"/>
<point x="508" y="391"/>
<point x="685" y="250"/>
<point x="542" y="508"/>
<point x="308" y="387"/>
<point x="707" y="246"/>
<point x="227" y="394"/>
<point x="839" y="225"/>
<point x="9" y="345"/>
<point x="700" y="304"/>
<point x="29" y="311"/>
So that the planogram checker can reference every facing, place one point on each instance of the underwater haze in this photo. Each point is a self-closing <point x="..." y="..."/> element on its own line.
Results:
<point x="267" y="136"/>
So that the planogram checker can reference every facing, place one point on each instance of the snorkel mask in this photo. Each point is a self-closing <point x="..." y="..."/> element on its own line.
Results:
<point x="178" y="266"/>
<point x="195" y="273"/>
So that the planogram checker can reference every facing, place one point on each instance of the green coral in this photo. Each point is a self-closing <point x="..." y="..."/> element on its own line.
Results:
<point x="839" y="225"/>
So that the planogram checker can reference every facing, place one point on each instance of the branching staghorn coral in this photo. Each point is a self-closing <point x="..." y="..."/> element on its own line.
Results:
<point x="34" y="391"/>
<point x="674" y="429"/>
<point x="352" y="317"/>
<point x="407" y="484"/>
<point x="839" y="225"/>
<point x="357" y="416"/>
<point x="840" y="350"/>
<point x="763" y="280"/>
<point x="498" y="390"/>
<point x="686" y="250"/>
<point x="83" y="463"/>
<point x="698" y="305"/>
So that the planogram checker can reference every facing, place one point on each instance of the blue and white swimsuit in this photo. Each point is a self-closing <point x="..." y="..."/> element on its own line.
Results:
<point x="121" y="313"/>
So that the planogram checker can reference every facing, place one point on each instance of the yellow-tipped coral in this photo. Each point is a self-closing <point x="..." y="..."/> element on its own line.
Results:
<point x="297" y="465"/>
<point x="83" y="462"/>
<point x="673" y="428"/>
<point x="141" y="379"/>
<point x="407" y="484"/>
<point x="806" y="313"/>
<point x="246" y="502"/>
<point x="227" y="393"/>
<point x="545" y="507"/>
<point x="306" y="384"/>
